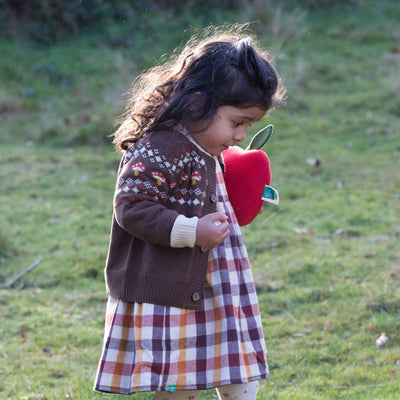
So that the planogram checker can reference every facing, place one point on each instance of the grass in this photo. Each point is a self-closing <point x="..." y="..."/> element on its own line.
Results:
<point x="326" y="260"/>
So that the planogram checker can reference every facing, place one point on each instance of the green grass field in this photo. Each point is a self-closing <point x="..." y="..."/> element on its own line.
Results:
<point x="326" y="260"/>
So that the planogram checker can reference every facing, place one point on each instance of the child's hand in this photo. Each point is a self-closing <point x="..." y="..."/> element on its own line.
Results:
<point x="211" y="230"/>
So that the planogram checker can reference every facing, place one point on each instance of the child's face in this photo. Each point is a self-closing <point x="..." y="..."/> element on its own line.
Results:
<point x="228" y="128"/>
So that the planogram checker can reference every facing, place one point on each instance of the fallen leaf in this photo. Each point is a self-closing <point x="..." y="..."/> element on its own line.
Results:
<point x="24" y="330"/>
<point x="314" y="162"/>
<point x="301" y="229"/>
<point x="381" y="341"/>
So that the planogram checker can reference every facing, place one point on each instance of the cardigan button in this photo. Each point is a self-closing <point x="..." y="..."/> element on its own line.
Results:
<point x="213" y="198"/>
<point x="203" y="249"/>
<point x="195" y="296"/>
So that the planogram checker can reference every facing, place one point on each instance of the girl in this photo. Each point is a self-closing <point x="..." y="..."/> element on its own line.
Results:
<point x="182" y="313"/>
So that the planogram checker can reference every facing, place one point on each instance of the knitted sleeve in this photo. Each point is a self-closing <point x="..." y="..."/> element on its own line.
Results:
<point x="183" y="232"/>
<point x="156" y="184"/>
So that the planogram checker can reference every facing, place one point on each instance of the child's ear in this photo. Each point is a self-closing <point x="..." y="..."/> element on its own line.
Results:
<point x="261" y="138"/>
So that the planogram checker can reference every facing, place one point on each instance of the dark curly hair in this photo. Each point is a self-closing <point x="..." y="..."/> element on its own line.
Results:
<point x="224" y="68"/>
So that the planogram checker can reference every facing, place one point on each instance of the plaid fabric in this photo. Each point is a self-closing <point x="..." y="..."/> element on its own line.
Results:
<point x="155" y="348"/>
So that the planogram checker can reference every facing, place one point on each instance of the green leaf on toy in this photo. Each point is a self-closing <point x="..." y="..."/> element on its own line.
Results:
<point x="261" y="138"/>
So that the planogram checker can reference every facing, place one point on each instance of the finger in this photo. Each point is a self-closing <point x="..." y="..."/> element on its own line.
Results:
<point x="223" y="226"/>
<point x="220" y="217"/>
<point x="225" y="230"/>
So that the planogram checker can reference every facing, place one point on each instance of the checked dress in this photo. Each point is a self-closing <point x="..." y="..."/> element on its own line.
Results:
<point x="150" y="347"/>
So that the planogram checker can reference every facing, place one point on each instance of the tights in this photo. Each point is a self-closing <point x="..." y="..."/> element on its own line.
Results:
<point x="241" y="391"/>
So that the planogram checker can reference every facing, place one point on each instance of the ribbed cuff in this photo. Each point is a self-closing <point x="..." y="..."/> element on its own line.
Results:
<point x="183" y="233"/>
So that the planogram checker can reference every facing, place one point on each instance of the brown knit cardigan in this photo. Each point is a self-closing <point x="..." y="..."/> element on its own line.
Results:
<point x="161" y="176"/>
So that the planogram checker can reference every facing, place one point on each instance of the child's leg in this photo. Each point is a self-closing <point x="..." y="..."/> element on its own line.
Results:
<point x="178" y="395"/>
<point x="240" y="391"/>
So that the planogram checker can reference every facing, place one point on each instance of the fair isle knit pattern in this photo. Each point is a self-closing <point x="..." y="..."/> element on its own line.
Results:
<point x="163" y="179"/>
<point x="157" y="348"/>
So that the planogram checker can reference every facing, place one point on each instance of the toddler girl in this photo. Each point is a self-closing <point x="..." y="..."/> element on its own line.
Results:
<point x="182" y="313"/>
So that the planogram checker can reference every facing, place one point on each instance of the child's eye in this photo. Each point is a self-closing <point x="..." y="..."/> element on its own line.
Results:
<point x="236" y="124"/>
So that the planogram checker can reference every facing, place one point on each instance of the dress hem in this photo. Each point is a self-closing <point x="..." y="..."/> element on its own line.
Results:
<point x="118" y="390"/>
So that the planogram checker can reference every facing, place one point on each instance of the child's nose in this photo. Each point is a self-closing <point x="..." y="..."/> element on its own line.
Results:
<point x="240" y="135"/>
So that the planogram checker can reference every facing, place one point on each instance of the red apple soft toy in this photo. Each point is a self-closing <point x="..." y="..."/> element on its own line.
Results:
<point x="247" y="177"/>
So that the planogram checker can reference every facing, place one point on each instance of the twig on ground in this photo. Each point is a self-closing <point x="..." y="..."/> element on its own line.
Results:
<point x="24" y="272"/>
<point x="5" y="355"/>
